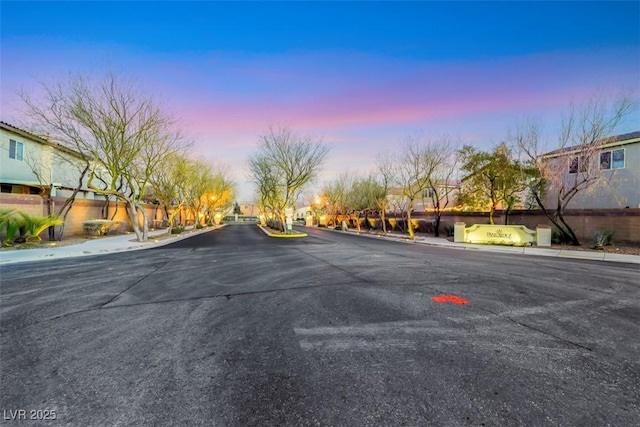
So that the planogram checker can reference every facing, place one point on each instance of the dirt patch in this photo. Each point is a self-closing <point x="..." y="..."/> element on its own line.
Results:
<point x="45" y="244"/>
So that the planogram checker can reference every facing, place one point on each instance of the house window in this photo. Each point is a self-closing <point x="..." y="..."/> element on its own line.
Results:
<point x="613" y="159"/>
<point x="578" y="164"/>
<point x="16" y="150"/>
<point x="617" y="159"/>
<point x="573" y="166"/>
<point x="428" y="193"/>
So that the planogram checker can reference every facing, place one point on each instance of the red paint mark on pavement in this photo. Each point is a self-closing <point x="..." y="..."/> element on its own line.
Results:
<point x="450" y="298"/>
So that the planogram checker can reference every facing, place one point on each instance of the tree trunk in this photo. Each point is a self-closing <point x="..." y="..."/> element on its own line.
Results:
<point x="557" y="219"/>
<point x="132" y="210"/>
<point x="436" y="224"/>
<point x="68" y="204"/>
<point x="383" y="219"/>
<point x="412" y="233"/>
<point x="145" y="223"/>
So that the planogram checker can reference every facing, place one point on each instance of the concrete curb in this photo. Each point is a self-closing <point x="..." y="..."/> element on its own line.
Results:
<point x="281" y="236"/>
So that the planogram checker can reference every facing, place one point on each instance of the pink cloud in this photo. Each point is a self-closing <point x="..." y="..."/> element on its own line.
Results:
<point x="425" y="93"/>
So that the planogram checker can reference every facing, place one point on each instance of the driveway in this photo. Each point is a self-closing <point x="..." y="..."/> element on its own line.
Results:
<point x="233" y="328"/>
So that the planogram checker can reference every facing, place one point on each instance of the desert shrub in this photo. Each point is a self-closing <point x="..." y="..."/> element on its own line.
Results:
<point x="274" y="224"/>
<point x="602" y="238"/>
<point x="449" y="230"/>
<point x="558" y="238"/>
<point x="393" y="223"/>
<point x="372" y="223"/>
<point x="401" y="225"/>
<point x="423" y="226"/>
<point x="177" y="230"/>
<point x="98" y="227"/>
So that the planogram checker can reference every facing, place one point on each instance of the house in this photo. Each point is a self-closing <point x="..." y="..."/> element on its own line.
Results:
<point x="31" y="164"/>
<point x="447" y="190"/>
<point x="613" y="164"/>
<point x="38" y="177"/>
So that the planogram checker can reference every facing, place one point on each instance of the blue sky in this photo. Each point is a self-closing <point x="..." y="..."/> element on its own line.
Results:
<point x="362" y="75"/>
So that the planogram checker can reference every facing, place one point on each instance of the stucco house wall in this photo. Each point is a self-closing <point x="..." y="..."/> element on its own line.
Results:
<point x="618" y="187"/>
<point x="44" y="165"/>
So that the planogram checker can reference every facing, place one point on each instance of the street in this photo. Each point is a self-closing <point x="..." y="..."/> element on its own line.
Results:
<point x="234" y="328"/>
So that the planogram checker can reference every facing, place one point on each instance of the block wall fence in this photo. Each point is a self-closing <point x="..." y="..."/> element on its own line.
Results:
<point x="585" y="222"/>
<point x="624" y="222"/>
<point x="82" y="210"/>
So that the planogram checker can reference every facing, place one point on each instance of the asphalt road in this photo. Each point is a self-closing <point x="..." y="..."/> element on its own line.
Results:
<point x="233" y="328"/>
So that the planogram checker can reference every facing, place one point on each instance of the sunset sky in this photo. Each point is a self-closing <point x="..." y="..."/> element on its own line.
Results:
<point x="361" y="75"/>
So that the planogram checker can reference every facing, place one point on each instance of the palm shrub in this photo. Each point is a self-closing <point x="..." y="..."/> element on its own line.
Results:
<point x="5" y="215"/>
<point x="12" y="226"/>
<point x="32" y="226"/>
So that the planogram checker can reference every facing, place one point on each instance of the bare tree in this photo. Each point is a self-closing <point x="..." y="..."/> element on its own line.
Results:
<point x="441" y="164"/>
<point x="413" y="175"/>
<point x="221" y="193"/>
<point x="263" y="174"/>
<point x="365" y="196"/>
<point x="385" y="178"/>
<point x="123" y="132"/>
<point x="574" y="167"/>
<point x="284" y="163"/>
<point x="202" y="176"/>
<point x="172" y="185"/>
<point x="44" y="173"/>
<point x="335" y="195"/>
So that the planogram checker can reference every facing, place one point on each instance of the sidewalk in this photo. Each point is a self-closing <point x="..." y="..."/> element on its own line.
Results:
<point x="527" y="250"/>
<point x="104" y="245"/>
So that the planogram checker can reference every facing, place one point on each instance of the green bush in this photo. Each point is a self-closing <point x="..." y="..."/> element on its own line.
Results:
<point x="177" y="230"/>
<point x="558" y="238"/>
<point x="372" y="223"/>
<point x="98" y="227"/>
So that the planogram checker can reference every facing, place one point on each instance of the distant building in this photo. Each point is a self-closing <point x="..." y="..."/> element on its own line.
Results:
<point x="449" y="190"/>
<point x="249" y="209"/>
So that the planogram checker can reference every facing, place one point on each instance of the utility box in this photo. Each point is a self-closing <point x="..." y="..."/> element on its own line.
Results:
<point x="543" y="236"/>
<point x="458" y="232"/>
